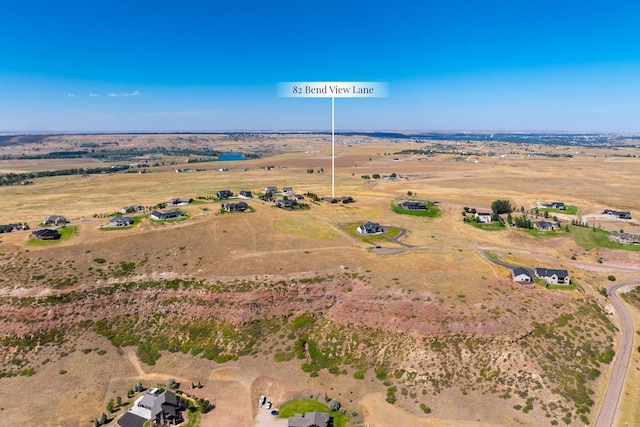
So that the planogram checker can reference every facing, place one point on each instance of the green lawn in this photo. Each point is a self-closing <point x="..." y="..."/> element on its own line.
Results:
<point x="570" y="210"/>
<point x="431" y="212"/>
<point x="65" y="233"/>
<point x="492" y="226"/>
<point x="300" y="406"/>
<point x="535" y="233"/>
<point x="372" y="239"/>
<point x="589" y="238"/>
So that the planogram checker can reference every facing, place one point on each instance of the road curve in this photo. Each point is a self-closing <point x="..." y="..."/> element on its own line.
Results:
<point x="607" y="414"/>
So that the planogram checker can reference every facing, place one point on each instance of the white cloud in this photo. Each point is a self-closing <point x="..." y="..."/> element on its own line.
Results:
<point x="94" y="94"/>
<point x="136" y="93"/>
<point x="71" y="95"/>
<point x="113" y="94"/>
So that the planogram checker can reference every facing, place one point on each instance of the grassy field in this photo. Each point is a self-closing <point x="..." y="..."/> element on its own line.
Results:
<point x="590" y="238"/>
<point x="570" y="210"/>
<point x="300" y="406"/>
<point x="217" y="294"/>
<point x="65" y="233"/>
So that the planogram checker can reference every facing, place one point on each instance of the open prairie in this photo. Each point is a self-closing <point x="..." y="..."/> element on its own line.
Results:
<point x="294" y="302"/>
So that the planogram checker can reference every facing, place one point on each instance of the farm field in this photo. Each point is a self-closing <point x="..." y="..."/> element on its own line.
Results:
<point x="294" y="304"/>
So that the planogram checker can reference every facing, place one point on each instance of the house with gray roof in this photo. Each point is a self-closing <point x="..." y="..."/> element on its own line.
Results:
<point x="521" y="275"/>
<point x="236" y="207"/>
<point x="310" y="419"/>
<point x="413" y="206"/>
<point x="131" y="209"/>
<point x="120" y="221"/>
<point x="553" y="277"/>
<point x="55" y="220"/>
<point x="370" y="228"/>
<point x="163" y="216"/>
<point x="545" y="226"/>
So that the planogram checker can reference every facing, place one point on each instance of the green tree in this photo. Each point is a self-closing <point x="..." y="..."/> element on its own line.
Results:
<point x="103" y="419"/>
<point x="501" y="206"/>
<point x="376" y="176"/>
<point x="118" y="401"/>
<point x="409" y="193"/>
<point x="334" y="405"/>
<point x="172" y="384"/>
<point x="110" y="406"/>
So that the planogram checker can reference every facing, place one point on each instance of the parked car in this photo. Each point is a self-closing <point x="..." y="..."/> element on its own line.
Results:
<point x="268" y="405"/>
<point x="262" y="399"/>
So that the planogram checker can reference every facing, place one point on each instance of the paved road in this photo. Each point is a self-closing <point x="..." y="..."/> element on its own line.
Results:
<point x="611" y="400"/>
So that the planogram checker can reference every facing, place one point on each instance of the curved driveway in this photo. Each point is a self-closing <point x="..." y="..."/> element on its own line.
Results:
<point x="607" y="413"/>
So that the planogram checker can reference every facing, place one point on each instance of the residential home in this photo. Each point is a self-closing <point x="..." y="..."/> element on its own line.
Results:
<point x="236" y="207"/>
<point x="163" y="216"/>
<point x="370" y="228"/>
<point x="544" y="226"/>
<point x="521" y="275"/>
<point x="625" y="238"/>
<point x="553" y="277"/>
<point x="224" y="194"/>
<point x="120" y="221"/>
<point x="310" y="419"/>
<point x="483" y="217"/>
<point x="287" y="190"/>
<point x="131" y="209"/>
<point x="179" y="201"/>
<point x="46" y="234"/>
<point x="556" y="205"/>
<point x="55" y="220"/>
<point x="299" y="197"/>
<point x="161" y="408"/>
<point x="617" y="214"/>
<point x="413" y="206"/>
<point x="246" y="194"/>
<point x="286" y="203"/>
<point x="330" y="199"/>
<point x="270" y="190"/>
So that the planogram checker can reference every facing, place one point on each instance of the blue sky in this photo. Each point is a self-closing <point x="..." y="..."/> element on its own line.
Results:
<point x="559" y="65"/>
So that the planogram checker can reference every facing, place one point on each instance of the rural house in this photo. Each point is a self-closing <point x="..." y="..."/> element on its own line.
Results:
<point x="287" y="190"/>
<point x="483" y="217"/>
<point x="521" y="275"/>
<point x="120" y="221"/>
<point x="286" y="203"/>
<point x="246" y="193"/>
<point x="556" y="205"/>
<point x="46" y="234"/>
<point x="163" y="408"/>
<point x="179" y="201"/>
<point x="310" y="419"/>
<point x="413" y="206"/>
<point x="625" y="238"/>
<point x="553" y="277"/>
<point x="236" y="207"/>
<point x="617" y="214"/>
<point x="270" y="190"/>
<point x="162" y="216"/>
<point x="224" y="194"/>
<point x="544" y="226"/>
<point x="55" y="220"/>
<point x="370" y="228"/>
<point x="131" y="209"/>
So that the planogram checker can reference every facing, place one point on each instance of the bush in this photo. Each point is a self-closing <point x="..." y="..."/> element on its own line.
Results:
<point x="334" y="405"/>
<point x="359" y="375"/>
<point x="425" y="408"/>
<point x="611" y="277"/>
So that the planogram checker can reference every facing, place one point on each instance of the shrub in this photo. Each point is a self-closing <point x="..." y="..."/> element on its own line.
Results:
<point x="359" y="375"/>
<point x="425" y="408"/>
<point x="611" y="277"/>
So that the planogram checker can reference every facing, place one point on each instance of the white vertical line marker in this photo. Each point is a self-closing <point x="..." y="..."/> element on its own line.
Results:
<point x="333" y="147"/>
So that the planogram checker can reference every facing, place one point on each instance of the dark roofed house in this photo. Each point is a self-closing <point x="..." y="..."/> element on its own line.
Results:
<point x="179" y="201"/>
<point x="545" y="226"/>
<point x="617" y="214"/>
<point x="554" y="277"/>
<point x="246" y="193"/>
<point x="236" y="207"/>
<point x="162" y="407"/>
<point x="270" y="190"/>
<point x="413" y="206"/>
<point x="521" y="275"/>
<point x="346" y="199"/>
<point x="120" y="221"/>
<point x="370" y="228"/>
<point x="46" y="234"/>
<point x="163" y="216"/>
<point x="286" y="203"/>
<point x="224" y="194"/>
<point x="310" y="419"/>
<point x="288" y="190"/>
<point x="55" y="220"/>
